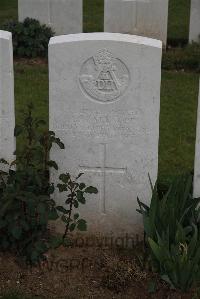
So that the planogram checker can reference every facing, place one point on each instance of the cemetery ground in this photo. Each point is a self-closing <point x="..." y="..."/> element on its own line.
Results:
<point x="106" y="273"/>
<point x="92" y="272"/>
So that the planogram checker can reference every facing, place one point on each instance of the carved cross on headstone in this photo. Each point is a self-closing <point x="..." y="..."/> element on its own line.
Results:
<point x="104" y="170"/>
<point x="135" y="9"/>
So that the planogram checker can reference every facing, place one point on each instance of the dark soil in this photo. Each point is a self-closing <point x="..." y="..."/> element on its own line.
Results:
<point x="84" y="273"/>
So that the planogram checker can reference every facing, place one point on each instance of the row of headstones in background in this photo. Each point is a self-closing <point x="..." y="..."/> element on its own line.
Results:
<point x="140" y="17"/>
<point x="194" y="34"/>
<point x="7" y="114"/>
<point x="104" y="105"/>
<point x="63" y="16"/>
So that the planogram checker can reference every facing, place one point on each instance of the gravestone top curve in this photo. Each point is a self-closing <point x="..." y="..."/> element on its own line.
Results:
<point x="118" y="37"/>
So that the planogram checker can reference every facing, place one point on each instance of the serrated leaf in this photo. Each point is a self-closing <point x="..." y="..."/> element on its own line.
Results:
<point x="62" y="209"/>
<point x="53" y="215"/>
<point x="62" y="187"/>
<point x="82" y="225"/>
<point x="76" y="216"/>
<point x="52" y="164"/>
<point x="3" y="161"/>
<point x="18" y="130"/>
<point x="64" y="177"/>
<point x="72" y="227"/>
<point x="16" y="232"/>
<point x="76" y="204"/>
<point x="82" y="186"/>
<point x="80" y="197"/>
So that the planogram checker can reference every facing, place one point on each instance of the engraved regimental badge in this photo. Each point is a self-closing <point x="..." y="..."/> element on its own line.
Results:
<point x="103" y="77"/>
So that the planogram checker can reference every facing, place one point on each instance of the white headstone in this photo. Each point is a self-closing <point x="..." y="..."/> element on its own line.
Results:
<point x="63" y="16"/>
<point x="194" y="34"/>
<point x="197" y="154"/>
<point x="141" y="17"/>
<point x="104" y="105"/>
<point x="7" y="115"/>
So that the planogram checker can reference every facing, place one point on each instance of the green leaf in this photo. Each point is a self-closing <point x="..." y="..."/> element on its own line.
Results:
<point x="82" y="225"/>
<point x="18" y="130"/>
<point x="91" y="190"/>
<point x="3" y="161"/>
<point x="62" y="187"/>
<point x="64" y="177"/>
<point x="82" y="186"/>
<point x="52" y="164"/>
<point x="80" y="197"/>
<point x="64" y="219"/>
<point x="59" y="143"/>
<point x="16" y="232"/>
<point x="53" y="215"/>
<point x="152" y="287"/>
<point x="76" y="204"/>
<point x="76" y="216"/>
<point x="62" y="209"/>
<point x="72" y="227"/>
<point x="55" y="242"/>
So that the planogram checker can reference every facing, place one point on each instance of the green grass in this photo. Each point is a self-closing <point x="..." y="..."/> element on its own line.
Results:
<point x="177" y="118"/>
<point x="178" y="22"/>
<point x="178" y="25"/>
<point x="179" y="96"/>
<point x="31" y="85"/>
<point x="8" y="10"/>
<point x="93" y="15"/>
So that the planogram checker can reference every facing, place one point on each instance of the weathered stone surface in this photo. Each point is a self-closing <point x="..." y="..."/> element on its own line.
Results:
<point x="7" y="116"/>
<point x="194" y="34"/>
<point x="141" y="17"/>
<point x="197" y="154"/>
<point x="64" y="16"/>
<point x="104" y="105"/>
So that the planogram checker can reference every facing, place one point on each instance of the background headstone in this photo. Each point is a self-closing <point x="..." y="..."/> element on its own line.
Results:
<point x="63" y="16"/>
<point x="104" y="105"/>
<point x="197" y="154"/>
<point x="141" y="17"/>
<point x="194" y="34"/>
<point x="7" y="115"/>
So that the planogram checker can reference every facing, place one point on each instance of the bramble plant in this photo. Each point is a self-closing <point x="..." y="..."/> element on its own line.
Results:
<point x="26" y="204"/>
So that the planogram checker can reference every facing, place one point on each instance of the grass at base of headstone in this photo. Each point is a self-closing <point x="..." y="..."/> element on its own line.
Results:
<point x="8" y="10"/>
<point x="178" y="22"/>
<point x="31" y="86"/>
<point x="93" y="15"/>
<point x="179" y="98"/>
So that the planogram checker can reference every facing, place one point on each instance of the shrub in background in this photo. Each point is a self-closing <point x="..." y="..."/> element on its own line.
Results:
<point x="30" y="38"/>
<point x="187" y="58"/>
<point x="172" y="229"/>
